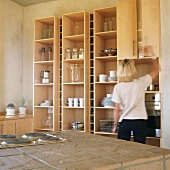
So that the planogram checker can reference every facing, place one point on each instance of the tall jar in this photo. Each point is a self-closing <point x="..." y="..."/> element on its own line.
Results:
<point x="75" y="72"/>
<point x="67" y="53"/>
<point x="75" y="53"/>
<point x="81" y="53"/>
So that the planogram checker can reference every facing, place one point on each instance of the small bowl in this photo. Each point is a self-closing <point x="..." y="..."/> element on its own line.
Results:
<point x="112" y="79"/>
<point x="77" y="125"/>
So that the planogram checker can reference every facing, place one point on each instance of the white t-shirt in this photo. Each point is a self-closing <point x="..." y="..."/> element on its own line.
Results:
<point x="130" y="95"/>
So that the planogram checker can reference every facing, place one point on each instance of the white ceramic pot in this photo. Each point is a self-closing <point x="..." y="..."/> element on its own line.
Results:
<point x="10" y="112"/>
<point x="22" y="110"/>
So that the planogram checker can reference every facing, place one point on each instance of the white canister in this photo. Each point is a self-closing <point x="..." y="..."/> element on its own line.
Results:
<point x="102" y="77"/>
<point x="113" y="73"/>
<point x="81" y="102"/>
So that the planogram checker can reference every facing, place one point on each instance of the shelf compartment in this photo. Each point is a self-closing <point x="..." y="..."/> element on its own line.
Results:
<point x="72" y="91"/>
<point x="41" y="67"/>
<point x="101" y="14"/>
<point x="39" y="115"/>
<point x="38" y="54"/>
<point x="103" y="67"/>
<point x="72" y="115"/>
<point x="41" y="24"/>
<point x="70" y="21"/>
<point x="104" y="90"/>
<point x="66" y="72"/>
<point x="101" y="114"/>
<point x="42" y="93"/>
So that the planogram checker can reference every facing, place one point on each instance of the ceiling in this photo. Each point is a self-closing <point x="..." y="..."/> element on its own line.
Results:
<point x="30" y="2"/>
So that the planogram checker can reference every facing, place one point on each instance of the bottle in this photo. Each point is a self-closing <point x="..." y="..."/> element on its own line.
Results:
<point x="42" y="53"/>
<point x="105" y="25"/>
<point x="49" y="53"/>
<point x="81" y="53"/>
<point x="76" y="29"/>
<point x="110" y="24"/>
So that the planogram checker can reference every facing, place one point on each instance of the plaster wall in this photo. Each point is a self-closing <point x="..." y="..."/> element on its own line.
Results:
<point x="11" y="58"/>
<point x="165" y="60"/>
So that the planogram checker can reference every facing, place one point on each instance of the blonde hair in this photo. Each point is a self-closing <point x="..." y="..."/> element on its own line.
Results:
<point x="126" y="71"/>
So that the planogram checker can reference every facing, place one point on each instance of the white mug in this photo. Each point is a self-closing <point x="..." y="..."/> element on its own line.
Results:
<point x="81" y="102"/>
<point x="69" y="102"/>
<point x="113" y="73"/>
<point x="102" y="77"/>
<point x="75" y="102"/>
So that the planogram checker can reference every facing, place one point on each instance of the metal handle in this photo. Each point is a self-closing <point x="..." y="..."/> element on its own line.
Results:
<point x="2" y="128"/>
<point x="16" y="128"/>
<point x="133" y="42"/>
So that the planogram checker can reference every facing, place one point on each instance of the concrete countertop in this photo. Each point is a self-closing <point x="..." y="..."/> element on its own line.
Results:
<point x="83" y="151"/>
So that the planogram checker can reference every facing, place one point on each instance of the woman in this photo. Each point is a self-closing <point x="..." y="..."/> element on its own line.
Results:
<point x="129" y="96"/>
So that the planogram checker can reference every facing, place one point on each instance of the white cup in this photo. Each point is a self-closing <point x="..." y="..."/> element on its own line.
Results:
<point x="69" y="102"/>
<point x="102" y="77"/>
<point x="81" y="102"/>
<point x="113" y="73"/>
<point x="75" y="102"/>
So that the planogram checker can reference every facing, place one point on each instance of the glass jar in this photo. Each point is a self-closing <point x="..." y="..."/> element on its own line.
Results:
<point x="76" y="29"/>
<point x="48" y="122"/>
<point x="75" y="53"/>
<point x="110" y="24"/>
<point x="75" y="72"/>
<point x="81" y="53"/>
<point x="67" y="53"/>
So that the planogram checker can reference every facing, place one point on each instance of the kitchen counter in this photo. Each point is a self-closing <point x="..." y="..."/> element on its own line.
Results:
<point x="83" y="151"/>
<point x="16" y="116"/>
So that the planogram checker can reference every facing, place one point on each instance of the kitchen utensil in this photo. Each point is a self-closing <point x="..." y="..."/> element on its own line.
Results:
<point x="45" y="76"/>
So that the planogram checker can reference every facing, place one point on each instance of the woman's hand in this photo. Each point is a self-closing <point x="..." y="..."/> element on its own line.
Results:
<point x="114" y="130"/>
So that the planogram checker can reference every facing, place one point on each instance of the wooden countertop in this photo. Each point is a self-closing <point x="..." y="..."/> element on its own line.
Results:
<point x="17" y="116"/>
<point x="84" y="151"/>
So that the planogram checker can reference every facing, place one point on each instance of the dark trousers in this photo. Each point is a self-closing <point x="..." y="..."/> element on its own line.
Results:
<point x="138" y="126"/>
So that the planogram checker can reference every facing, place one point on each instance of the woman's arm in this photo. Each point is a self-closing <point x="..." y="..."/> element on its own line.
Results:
<point x="116" y="113"/>
<point x="155" y="64"/>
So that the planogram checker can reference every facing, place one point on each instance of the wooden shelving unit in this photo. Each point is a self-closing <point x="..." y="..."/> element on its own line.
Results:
<point x="103" y="64"/>
<point x="81" y="88"/>
<point x="46" y="91"/>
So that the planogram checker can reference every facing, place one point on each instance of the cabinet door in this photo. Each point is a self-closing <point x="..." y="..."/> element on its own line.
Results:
<point x="22" y="126"/>
<point x="127" y="29"/>
<point x="6" y="127"/>
<point x="150" y="25"/>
